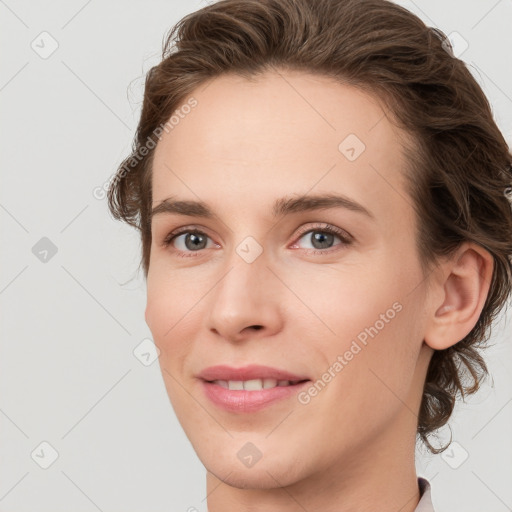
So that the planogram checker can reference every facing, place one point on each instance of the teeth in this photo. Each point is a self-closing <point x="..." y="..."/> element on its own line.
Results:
<point x="269" y="383"/>
<point x="252" y="385"/>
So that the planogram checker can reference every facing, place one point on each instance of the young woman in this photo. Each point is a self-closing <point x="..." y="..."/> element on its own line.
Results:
<point x="321" y="192"/>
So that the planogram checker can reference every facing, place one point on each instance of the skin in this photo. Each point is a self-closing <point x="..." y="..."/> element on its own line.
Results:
<point x="246" y="144"/>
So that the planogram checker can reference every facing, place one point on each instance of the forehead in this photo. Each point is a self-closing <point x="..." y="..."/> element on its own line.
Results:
<point x="246" y="141"/>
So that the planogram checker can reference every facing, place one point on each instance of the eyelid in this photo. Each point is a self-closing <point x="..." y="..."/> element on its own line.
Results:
<point x="321" y="226"/>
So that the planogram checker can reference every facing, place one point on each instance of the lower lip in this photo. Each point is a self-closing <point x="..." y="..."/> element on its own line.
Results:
<point x="248" y="401"/>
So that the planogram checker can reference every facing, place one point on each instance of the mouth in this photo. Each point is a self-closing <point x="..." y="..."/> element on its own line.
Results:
<point x="254" y="384"/>
<point x="249" y="389"/>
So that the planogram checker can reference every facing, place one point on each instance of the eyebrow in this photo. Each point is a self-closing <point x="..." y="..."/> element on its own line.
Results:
<point x="281" y="207"/>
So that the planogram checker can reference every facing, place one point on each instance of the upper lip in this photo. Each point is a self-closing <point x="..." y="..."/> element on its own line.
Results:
<point x="224" y="372"/>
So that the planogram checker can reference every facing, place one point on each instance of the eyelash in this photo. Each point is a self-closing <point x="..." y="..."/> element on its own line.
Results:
<point x="345" y="238"/>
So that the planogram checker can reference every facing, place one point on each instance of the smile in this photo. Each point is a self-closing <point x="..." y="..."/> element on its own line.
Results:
<point x="253" y="384"/>
<point x="250" y="388"/>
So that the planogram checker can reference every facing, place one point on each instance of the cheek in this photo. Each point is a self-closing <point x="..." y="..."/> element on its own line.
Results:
<point x="166" y="318"/>
<point x="346" y="301"/>
<point x="166" y="308"/>
<point x="374" y="320"/>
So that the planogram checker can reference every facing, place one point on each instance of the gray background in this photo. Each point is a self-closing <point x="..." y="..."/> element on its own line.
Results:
<point x="72" y="320"/>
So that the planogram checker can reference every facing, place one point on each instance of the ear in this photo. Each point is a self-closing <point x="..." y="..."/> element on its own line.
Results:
<point x="459" y="292"/>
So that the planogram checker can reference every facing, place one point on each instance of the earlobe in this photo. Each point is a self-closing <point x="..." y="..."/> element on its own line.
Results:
<point x="463" y="291"/>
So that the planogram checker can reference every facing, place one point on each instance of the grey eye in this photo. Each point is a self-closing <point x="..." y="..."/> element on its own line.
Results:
<point x="191" y="241"/>
<point x="319" y="239"/>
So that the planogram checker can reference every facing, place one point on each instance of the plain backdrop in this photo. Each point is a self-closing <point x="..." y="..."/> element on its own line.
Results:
<point x="75" y="395"/>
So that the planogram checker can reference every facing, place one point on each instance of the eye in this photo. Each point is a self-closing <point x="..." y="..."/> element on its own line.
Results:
<point x="321" y="238"/>
<point x="187" y="241"/>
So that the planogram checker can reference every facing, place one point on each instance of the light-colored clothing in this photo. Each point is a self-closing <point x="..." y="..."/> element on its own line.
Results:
<point x="425" y="503"/>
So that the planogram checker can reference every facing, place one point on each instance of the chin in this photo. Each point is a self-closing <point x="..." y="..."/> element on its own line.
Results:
<point x="274" y="468"/>
<point x="248" y="480"/>
<point x="264" y="476"/>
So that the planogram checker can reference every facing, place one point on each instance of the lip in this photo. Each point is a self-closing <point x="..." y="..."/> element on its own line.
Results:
<point x="253" y="371"/>
<point x="244" y="401"/>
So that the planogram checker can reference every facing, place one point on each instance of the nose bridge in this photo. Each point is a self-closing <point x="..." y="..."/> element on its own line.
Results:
<point x="246" y="267"/>
<point x="245" y="295"/>
<point x="242" y="285"/>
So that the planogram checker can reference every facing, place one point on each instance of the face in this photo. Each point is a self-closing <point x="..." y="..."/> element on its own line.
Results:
<point x="290" y="327"/>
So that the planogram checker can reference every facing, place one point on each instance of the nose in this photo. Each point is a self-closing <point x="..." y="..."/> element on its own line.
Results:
<point x="246" y="302"/>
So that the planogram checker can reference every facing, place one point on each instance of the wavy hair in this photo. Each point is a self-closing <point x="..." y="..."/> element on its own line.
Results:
<point x="459" y="168"/>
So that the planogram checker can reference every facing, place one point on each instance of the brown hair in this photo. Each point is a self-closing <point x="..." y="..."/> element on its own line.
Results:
<point x="460" y="165"/>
